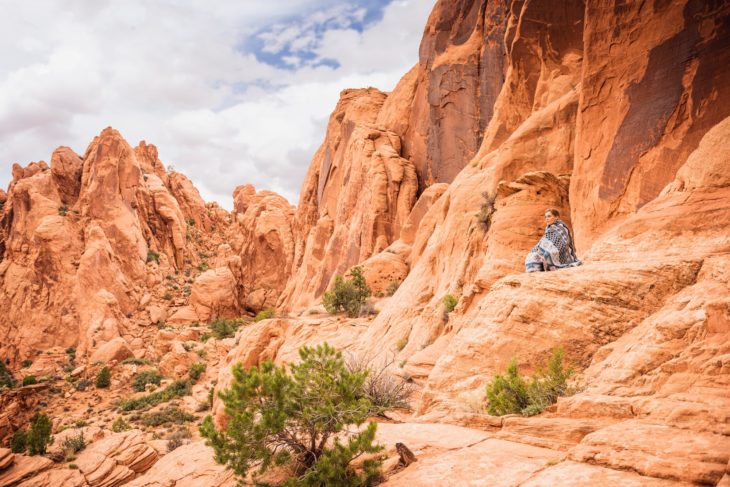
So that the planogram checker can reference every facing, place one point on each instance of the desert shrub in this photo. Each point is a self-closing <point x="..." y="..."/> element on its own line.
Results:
<point x="177" y="439"/>
<point x="196" y="370"/>
<point x="39" y="434"/>
<point x="19" y="441"/>
<point x="450" y="301"/>
<point x="279" y="417"/>
<point x="6" y="377"/>
<point x="104" y="378"/>
<point x="73" y="466"/>
<point x="392" y="288"/>
<point x="548" y="383"/>
<point x="264" y="314"/>
<point x="150" y="376"/>
<point x="205" y="336"/>
<point x="511" y="394"/>
<point x="63" y="210"/>
<point x="167" y="296"/>
<point x="120" y="425"/>
<point x="203" y="266"/>
<point x="401" y="344"/>
<point x="347" y="295"/>
<point x="152" y="255"/>
<point x="135" y="361"/>
<point x="26" y="363"/>
<point x="72" y="445"/>
<point x="81" y="385"/>
<point x="191" y="222"/>
<point x="29" y="380"/>
<point x="167" y="416"/>
<point x="382" y="389"/>
<point x="223" y="328"/>
<point x="176" y="389"/>
<point x="486" y="210"/>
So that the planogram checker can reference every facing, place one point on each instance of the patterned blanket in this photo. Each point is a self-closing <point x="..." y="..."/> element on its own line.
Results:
<point x="554" y="250"/>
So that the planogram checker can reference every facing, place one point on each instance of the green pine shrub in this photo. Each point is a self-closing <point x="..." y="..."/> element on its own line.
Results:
<point x="450" y="302"/>
<point x="225" y="328"/>
<point x="19" y="441"/>
<point x="104" y="378"/>
<point x="196" y="370"/>
<point x="293" y="417"/>
<point x="150" y="376"/>
<point x="264" y="314"/>
<point x="347" y="296"/>
<point x="511" y="394"/>
<point x="29" y="380"/>
<point x="26" y="363"/>
<point x="39" y="434"/>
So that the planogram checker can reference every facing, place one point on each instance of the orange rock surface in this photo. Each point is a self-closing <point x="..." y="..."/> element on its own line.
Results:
<point x="616" y="115"/>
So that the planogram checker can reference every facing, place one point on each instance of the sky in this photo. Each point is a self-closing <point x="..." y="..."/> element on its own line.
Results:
<point x="230" y="91"/>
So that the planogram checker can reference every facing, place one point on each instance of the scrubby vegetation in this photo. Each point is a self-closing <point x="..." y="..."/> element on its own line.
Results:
<point x="450" y="302"/>
<point x="39" y="434"/>
<point x="511" y="394"/>
<point x="19" y="441"/>
<point x="486" y="210"/>
<point x="72" y="445"/>
<point x="29" y="380"/>
<point x="104" y="378"/>
<point x="196" y="370"/>
<point x="382" y="389"/>
<point x="347" y="296"/>
<point x="169" y="415"/>
<point x="264" y="314"/>
<point x="177" y="439"/>
<point x="150" y="376"/>
<point x="176" y="389"/>
<point x="6" y="377"/>
<point x="392" y="288"/>
<point x="26" y="363"/>
<point x="223" y="328"/>
<point x="120" y="425"/>
<point x="152" y="255"/>
<point x="279" y="417"/>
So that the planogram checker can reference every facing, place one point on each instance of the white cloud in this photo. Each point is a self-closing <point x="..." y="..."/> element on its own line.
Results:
<point x="184" y="76"/>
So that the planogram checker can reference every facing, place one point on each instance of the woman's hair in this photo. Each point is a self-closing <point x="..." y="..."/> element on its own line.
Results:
<point x="553" y="211"/>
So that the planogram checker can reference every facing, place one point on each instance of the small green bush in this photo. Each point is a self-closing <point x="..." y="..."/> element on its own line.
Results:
<point x="151" y="376"/>
<point x="39" y="434"/>
<point x="196" y="370"/>
<point x="104" y="378"/>
<point x="293" y="417"/>
<point x="223" y="328"/>
<point x="167" y="296"/>
<point x="202" y="267"/>
<point x="347" y="295"/>
<point x="167" y="416"/>
<point x="6" y="377"/>
<point x="264" y="314"/>
<point x="63" y="210"/>
<point x="511" y="394"/>
<point x="177" y="439"/>
<point x="392" y="288"/>
<point x="19" y="441"/>
<point x="176" y="389"/>
<point x="73" y="444"/>
<point x="120" y="425"/>
<point x="401" y="344"/>
<point x="73" y="466"/>
<point x="29" y="380"/>
<point x="26" y="363"/>
<point x="152" y="255"/>
<point x="450" y="302"/>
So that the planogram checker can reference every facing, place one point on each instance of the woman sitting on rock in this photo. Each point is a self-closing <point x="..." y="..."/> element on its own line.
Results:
<point x="555" y="249"/>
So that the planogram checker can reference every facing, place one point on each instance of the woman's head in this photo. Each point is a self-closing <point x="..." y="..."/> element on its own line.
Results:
<point x="551" y="215"/>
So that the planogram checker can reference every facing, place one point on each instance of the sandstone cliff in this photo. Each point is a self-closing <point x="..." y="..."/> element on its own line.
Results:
<point x="617" y="114"/>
